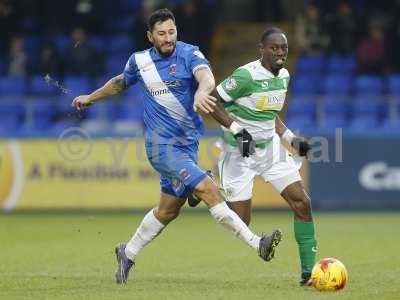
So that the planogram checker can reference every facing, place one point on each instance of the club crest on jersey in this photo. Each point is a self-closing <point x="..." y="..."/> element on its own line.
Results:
<point x="184" y="174"/>
<point x="175" y="182"/>
<point x="172" y="69"/>
<point x="231" y="84"/>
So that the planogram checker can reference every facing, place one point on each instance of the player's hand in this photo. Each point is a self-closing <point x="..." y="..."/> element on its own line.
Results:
<point x="81" y="102"/>
<point x="204" y="102"/>
<point x="301" y="145"/>
<point x="246" y="144"/>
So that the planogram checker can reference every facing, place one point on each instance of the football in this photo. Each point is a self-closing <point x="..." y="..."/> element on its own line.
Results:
<point x="329" y="274"/>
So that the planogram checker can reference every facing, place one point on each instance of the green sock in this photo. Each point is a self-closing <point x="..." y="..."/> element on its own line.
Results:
<point x="305" y="238"/>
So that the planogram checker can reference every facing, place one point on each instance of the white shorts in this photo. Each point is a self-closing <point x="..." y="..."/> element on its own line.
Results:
<point x="274" y="164"/>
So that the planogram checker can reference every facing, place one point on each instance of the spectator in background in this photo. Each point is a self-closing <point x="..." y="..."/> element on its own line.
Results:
<point x="7" y="23"/>
<point x="343" y="29"/>
<point x="82" y="59"/>
<point x="187" y="18"/>
<point x="371" y="56"/>
<point x="49" y="61"/>
<point x="206" y="12"/>
<point x="17" y="58"/>
<point x="310" y="32"/>
<point x="394" y="38"/>
<point x="268" y="10"/>
<point x="140" y="27"/>
<point x="91" y="14"/>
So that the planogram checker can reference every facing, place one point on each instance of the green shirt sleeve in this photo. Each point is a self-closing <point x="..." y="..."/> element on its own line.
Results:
<point x="235" y="86"/>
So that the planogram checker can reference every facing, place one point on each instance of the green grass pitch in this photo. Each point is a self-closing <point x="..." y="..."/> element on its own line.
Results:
<point x="70" y="256"/>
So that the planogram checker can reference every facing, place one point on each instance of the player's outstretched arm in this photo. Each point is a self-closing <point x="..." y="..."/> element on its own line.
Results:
<point x="299" y="143"/>
<point x="203" y="101"/>
<point x="112" y="87"/>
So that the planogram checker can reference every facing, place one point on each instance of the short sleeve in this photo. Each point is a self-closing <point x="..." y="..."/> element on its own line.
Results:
<point x="235" y="86"/>
<point x="131" y="71"/>
<point x="198" y="60"/>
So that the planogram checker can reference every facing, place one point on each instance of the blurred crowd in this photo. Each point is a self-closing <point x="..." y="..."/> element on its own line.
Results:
<point x="80" y="37"/>
<point x="368" y="30"/>
<point x="347" y="73"/>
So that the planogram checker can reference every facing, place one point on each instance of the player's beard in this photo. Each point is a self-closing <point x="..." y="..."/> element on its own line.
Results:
<point x="166" y="53"/>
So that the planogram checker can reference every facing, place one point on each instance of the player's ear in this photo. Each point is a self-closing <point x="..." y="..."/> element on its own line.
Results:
<point x="262" y="47"/>
<point x="150" y="37"/>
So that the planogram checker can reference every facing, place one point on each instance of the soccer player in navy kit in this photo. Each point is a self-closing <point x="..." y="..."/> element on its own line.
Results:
<point x="177" y="82"/>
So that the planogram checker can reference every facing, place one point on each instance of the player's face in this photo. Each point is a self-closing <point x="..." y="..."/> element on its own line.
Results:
<point x="163" y="37"/>
<point x="274" y="52"/>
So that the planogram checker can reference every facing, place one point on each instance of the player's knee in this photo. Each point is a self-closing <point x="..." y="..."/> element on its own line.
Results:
<point x="207" y="190"/>
<point x="302" y="207"/>
<point x="167" y="216"/>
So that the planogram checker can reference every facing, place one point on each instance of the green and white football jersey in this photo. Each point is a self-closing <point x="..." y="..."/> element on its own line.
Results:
<point x="254" y="97"/>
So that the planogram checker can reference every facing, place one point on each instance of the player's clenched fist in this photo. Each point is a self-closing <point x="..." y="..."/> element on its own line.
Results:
<point x="81" y="102"/>
<point x="245" y="142"/>
<point x="301" y="145"/>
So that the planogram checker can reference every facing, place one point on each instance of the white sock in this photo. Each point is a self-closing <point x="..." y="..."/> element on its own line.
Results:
<point x="230" y="220"/>
<point x="147" y="231"/>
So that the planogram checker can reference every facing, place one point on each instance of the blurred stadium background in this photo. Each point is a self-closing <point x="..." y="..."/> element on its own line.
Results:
<point x="77" y="167"/>
<point x="345" y="73"/>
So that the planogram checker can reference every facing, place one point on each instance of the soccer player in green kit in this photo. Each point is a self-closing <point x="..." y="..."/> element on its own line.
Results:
<point x="252" y="98"/>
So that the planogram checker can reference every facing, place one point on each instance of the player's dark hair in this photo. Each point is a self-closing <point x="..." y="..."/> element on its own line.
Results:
<point x="162" y="15"/>
<point x="268" y="32"/>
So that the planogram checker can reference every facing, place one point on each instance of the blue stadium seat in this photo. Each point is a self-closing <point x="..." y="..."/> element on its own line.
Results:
<point x="59" y="126"/>
<point x="363" y="124"/>
<point x="338" y="64"/>
<point x="120" y="43"/>
<point x="300" y="122"/>
<point x="310" y="65"/>
<point x="130" y="110"/>
<point x="368" y="85"/>
<point x="11" y="115"/>
<point x="101" y="111"/>
<point x="369" y="107"/>
<point x="304" y="85"/>
<point x="39" y="86"/>
<point x="394" y="84"/>
<point x="65" y="108"/>
<point x="98" y="42"/>
<point x="100" y="81"/>
<point x="337" y="106"/>
<point x="338" y="85"/>
<point x="77" y="85"/>
<point x="116" y="64"/>
<point x="335" y="113"/>
<point x="390" y="126"/>
<point x="15" y="86"/>
<point x="122" y="24"/>
<point x="61" y="42"/>
<point x="331" y="122"/>
<point x="32" y="44"/>
<point x="43" y="113"/>
<point x="302" y="108"/>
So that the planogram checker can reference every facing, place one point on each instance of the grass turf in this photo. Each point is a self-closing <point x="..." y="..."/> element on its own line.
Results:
<point x="70" y="256"/>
